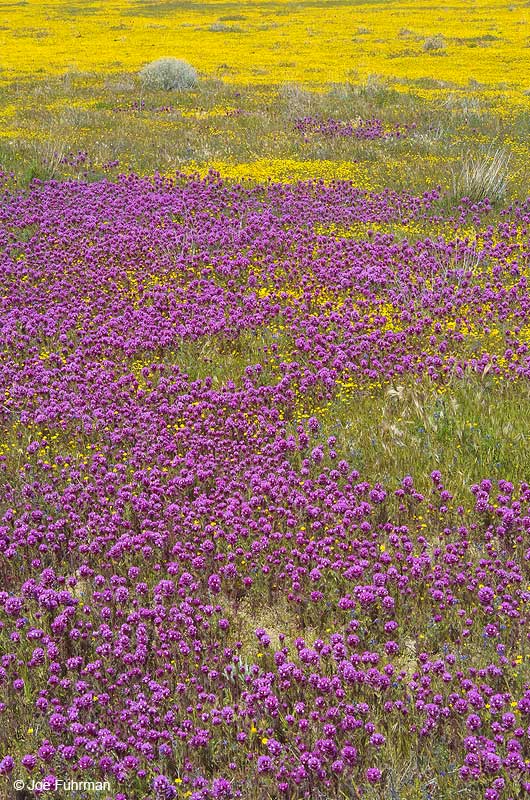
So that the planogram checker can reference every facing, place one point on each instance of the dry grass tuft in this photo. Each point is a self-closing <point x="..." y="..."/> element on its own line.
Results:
<point x="482" y="178"/>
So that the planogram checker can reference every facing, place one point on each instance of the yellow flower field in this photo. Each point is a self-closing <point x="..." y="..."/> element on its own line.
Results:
<point x="271" y="41"/>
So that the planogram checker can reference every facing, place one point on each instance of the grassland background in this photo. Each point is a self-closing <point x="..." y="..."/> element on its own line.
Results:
<point x="71" y="106"/>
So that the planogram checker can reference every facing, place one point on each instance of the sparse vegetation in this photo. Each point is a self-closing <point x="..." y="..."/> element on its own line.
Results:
<point x="119" y="127"/>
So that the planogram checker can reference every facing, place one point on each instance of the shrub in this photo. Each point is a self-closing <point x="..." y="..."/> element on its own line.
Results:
<point x="170" y="74"/>
<point x="481" y="178"/>
<point x="433" y="43"/>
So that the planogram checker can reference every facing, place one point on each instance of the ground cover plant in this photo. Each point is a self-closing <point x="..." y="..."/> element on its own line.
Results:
<point x="264" y="392"/>
<point x="204" y="592"/>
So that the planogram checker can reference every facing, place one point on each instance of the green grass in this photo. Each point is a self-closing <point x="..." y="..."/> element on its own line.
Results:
<point x="470" y="428"/>
<point x="53" y="117"/>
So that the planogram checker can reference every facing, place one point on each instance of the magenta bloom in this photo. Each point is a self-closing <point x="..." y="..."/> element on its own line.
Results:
<point x="373" y="775"/>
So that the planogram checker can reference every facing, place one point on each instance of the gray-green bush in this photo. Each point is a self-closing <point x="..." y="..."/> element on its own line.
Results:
<point x="170" y="74"/>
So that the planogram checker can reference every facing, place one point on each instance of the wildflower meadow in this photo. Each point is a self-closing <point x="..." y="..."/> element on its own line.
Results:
<point x="264" y="400"/>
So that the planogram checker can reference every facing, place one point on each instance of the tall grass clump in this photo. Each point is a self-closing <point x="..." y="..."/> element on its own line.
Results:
<point x="296" y="101"/>
<point x="169" y="74"/>
<point x="483" y="177"/>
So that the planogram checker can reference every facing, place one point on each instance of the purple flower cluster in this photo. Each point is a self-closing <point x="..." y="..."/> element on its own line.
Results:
<point x="75" y="159"/>
<point x="147" y="507"/>
<point x="82" y="161"/>
<point x="364" y="129"/>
